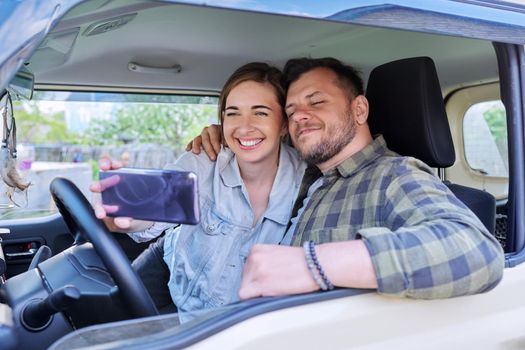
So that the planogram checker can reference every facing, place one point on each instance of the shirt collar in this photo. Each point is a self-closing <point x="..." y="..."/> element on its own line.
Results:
<point x="361" y="159"/>
<point x="287" y="180"/>
<point x="228" y="168"/>
<point x="284" y="179"/>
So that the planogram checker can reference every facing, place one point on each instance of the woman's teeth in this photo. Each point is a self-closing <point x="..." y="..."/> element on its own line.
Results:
<point x="249" y="143"/>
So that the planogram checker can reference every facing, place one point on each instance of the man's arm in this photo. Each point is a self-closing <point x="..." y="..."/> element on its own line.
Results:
<point x="431" y="246"/>
<point x="441" y="250"/>
<point x="210" y="140"/>
<point x="279" y="270"/>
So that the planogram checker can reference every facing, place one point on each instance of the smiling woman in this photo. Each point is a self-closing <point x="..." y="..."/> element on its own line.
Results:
<point x="138" y="79"/>
<point x="241" y="199"/>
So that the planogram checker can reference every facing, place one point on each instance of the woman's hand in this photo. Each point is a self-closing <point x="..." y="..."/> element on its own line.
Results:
<point x="114" y="224"/>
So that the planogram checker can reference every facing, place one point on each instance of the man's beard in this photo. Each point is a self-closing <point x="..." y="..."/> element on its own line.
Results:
<point x="335" y="139"/>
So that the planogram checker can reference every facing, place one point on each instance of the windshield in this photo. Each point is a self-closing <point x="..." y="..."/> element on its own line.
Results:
<point x="64" y="133"/>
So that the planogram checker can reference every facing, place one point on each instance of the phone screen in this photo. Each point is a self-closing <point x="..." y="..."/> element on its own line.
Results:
<point x="151" y="194"/>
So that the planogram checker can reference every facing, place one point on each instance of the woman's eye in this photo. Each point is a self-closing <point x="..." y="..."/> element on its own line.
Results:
<point x="314" y="103"/>
<point x="231" y="114"/>
<point x="261" y="114"/>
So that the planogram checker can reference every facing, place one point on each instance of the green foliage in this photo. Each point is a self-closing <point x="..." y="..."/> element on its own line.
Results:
<point x="497" y="122"/>
<point x="167" y="124"/>
<point x="160" y="123"/>
<point x="35" y="126"/>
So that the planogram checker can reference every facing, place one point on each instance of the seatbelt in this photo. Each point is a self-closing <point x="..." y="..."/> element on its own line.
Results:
<point x="311" y="174"/>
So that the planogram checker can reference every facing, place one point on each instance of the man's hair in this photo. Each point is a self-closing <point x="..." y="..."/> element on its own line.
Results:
<point x="347" y="76"/>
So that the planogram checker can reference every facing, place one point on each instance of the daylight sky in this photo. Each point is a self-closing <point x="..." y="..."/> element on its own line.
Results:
<point x="319" y="8"/>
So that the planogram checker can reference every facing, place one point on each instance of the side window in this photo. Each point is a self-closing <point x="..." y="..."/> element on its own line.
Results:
<point x="63" y="134"/>
<point x="485" y="139"/>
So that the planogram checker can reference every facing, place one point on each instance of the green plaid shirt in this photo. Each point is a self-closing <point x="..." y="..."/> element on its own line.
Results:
<point x="423" y="241"/>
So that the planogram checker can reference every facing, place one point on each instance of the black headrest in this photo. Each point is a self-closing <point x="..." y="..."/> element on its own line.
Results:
<point x="407" y="107"/>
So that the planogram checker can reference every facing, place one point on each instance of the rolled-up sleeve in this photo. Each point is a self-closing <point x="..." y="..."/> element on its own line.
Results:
<point x="431" y="245"/>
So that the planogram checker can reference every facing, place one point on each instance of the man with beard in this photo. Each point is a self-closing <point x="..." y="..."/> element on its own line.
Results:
<point x="373" y="219"/>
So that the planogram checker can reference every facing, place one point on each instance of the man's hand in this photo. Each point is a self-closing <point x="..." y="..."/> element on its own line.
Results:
<point x="210" y="139"/>
<point x="272" y="270"/>
<point x="117" y="224"/>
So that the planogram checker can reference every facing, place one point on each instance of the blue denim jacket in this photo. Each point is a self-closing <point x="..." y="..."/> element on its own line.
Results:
<point x="206" y="261"/>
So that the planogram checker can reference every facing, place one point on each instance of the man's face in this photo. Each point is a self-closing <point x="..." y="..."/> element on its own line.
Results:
<point x="319" y="118"/>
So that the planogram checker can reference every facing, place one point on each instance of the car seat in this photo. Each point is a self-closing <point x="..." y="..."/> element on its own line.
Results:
<point x="407" y="108"/>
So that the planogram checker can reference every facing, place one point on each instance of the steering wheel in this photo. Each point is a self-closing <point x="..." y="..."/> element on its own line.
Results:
<point x="80" y="219"/>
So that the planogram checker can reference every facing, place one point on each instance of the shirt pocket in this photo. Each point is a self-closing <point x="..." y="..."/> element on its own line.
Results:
<point x="227" y="278"/>
<point x="215" y="286"/>
<point x="200" y="258"/>
<point x="212" y="224"/>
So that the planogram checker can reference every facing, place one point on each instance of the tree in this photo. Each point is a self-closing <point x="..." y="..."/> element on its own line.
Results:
<point x="496" y="120"/>
<point x="35" y="126"/>
<point x="168" y="124"/>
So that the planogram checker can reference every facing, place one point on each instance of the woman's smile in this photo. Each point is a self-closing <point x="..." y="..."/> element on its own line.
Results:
<point x="249" y="144"/>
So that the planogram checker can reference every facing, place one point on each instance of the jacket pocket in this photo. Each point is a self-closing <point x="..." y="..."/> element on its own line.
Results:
<point x="200" y="258"/>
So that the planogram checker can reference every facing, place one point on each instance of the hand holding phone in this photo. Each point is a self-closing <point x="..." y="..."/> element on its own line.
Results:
<point x="151" y="194"/>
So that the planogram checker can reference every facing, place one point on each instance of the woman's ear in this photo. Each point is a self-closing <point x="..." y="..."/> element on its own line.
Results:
<point x="360" y="108"/>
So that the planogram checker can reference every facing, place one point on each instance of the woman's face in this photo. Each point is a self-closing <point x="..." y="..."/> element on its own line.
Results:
<point x="253" y="123"/>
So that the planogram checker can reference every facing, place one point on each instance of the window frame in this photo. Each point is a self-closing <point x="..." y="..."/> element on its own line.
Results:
<point x="457" y="103"/>
<point x="467" y="161"/>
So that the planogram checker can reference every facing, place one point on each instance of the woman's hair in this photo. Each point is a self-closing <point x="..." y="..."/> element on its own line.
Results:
<point x="259" y="72"/>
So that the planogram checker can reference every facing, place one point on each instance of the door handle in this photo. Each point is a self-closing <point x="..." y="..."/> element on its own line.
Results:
<point x="27" y="254"/>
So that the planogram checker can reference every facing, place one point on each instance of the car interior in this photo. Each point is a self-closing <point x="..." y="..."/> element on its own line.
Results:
<point x="83" y="281"/>
<point x="415" y="79"/>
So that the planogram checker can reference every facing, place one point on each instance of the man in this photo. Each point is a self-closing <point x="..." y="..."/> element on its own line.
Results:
<point x="380" y="221"/>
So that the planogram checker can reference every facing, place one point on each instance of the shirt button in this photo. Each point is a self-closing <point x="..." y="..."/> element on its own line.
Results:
<point x="210" y="228"/>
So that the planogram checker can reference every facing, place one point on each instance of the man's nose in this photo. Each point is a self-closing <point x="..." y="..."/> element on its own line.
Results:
<point x="300" y="114"/>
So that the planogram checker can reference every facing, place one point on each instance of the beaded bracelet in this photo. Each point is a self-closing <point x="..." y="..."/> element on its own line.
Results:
<point x="327" y="283"/>
<point x="311" y="267"/>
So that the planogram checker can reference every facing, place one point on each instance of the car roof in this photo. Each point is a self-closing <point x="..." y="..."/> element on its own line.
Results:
<point x="210" y="42"/>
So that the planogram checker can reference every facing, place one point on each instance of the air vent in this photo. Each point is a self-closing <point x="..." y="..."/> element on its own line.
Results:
<point x="109" y="24"/>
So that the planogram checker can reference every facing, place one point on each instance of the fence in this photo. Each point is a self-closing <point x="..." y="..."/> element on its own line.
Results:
<point x="140" y="155"/>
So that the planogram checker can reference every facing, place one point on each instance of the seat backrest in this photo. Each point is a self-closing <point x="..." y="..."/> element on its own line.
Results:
<point x="407" y="108"/>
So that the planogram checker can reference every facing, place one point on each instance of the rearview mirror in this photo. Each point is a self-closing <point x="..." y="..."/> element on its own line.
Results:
<point x="22" y="83"/>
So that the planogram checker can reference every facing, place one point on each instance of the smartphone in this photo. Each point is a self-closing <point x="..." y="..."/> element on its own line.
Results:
<point x="151" y="194"/>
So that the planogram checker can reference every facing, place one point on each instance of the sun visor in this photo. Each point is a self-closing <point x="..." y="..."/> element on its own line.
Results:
<point x="55" y="50"/>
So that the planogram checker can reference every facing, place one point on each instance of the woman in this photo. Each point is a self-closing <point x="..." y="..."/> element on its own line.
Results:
<point x="246" y="196"/>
